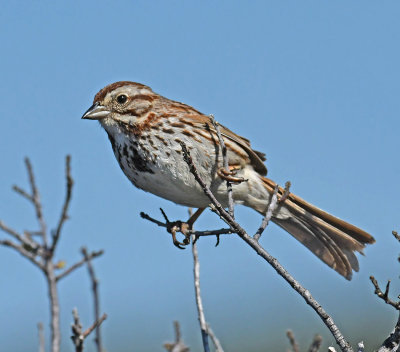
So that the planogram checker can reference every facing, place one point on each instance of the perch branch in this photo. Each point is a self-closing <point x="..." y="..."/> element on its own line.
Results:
<point x="326" y="318"/>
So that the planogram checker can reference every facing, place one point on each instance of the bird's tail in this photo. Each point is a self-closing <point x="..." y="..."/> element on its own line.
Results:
<point x="331" y="239"/>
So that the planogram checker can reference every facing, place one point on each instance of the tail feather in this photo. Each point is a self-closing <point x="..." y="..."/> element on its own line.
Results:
<point x="331" y="239"/>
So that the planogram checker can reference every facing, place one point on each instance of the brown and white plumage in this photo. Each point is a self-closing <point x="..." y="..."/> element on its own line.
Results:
<point x="145" y="130"/>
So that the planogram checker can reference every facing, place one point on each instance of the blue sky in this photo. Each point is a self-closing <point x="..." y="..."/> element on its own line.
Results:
<point x="314" y="84"/>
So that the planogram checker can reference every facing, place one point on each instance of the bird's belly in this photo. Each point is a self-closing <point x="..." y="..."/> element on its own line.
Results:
<point x="166" y="175"/>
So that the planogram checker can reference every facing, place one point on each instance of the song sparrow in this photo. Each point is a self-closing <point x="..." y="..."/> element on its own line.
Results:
<point x="145" y="130"/>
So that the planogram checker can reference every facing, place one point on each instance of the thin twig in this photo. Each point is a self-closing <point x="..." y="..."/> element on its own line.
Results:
<point x="384" y="295"/>
<point x="177" y="345"/>
<point x="326" y="318"/>
<point x="78" y="336"/>
<point x="273" y="204"/>
<point x="23" y="193"/>
<point x="41" y="337"/>
<point x="199" y="302"/>
<point x="214" y="339"/>
<point x="64" y="212"/>
<point x="27" y="242"/>
<point x="96" y="300"/>
<point x="26" y="253"/>
<point x="36" y="201"/>
<point x="226" y="165"/>
<point x="292" y="341"/>
<point x="66" y="272"/>
<point x="315" y="344"/>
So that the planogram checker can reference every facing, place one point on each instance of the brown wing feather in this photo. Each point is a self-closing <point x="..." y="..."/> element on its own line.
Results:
<point x="192" y="116"/>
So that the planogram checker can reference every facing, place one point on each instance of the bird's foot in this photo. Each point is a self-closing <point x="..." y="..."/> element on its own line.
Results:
<point x="230" y="175"/>
<point x="182" y="227"/>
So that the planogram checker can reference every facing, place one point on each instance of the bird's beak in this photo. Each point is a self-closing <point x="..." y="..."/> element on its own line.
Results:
<point x="96" y="112"/>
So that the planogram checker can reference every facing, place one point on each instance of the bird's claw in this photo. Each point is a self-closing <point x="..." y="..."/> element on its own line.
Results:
<point x="230" y="175"/>
<point x="182" y="227"/>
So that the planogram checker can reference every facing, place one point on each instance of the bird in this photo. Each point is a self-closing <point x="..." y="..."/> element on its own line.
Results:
<point x="146" y="131"/>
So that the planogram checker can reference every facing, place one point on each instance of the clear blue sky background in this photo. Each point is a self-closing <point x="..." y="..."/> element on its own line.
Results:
<point x="314" y="84"/>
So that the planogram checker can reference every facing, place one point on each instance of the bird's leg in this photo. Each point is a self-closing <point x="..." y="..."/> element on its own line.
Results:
<point x="230" y="175"/>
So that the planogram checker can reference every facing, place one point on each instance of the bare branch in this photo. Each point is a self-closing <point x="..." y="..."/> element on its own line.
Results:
<point x="36" y="201"/>
<point x="190" y="232"/>
<point x="177" y="345"/>
<point x="65" y="273"/>
<point x="95" y="282"/>
<point x="273" y="204"/>
<point x="315" y="344"/>
<point x="214" y="339"/>
<point x="292" y="341"/>
<point x="27" y="242"/>
<point x="326" y="318"/>
<point x="64" y="212"/>
<point x="41" y="337"/>
<point x="26" y="253"/>
<point x="199" y="302"/>
<point x="396" y="235"/>
<point x="95" y="325"/>
<point x="78" y="337"/>
<point x="23" y="193"/>
<point x="226" y="165"/>
<point x="384" y="295"/>
<point x="392" y="343"/>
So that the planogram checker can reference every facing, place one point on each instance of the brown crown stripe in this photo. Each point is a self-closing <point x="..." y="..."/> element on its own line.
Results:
<point x="103" y="92"/>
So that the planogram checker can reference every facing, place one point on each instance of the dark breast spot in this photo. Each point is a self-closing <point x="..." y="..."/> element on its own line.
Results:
<point x="137" y="161"/>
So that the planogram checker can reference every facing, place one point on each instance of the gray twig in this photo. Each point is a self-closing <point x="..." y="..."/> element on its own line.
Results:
<point x="326" y="318"/>
<point x="177" y="345"/>
<point x="75" y="266"/>
<point x="38" y="252"/>
<point x="78" y="336"/>
<point x="35" y="198"/>
<point x="64" y="215"/>
<point x="190" y="231"/>
<point x="96" y="300"/>
<point x="214" y="339"/>
<point x="225" y="163"/>
<point x="315" y="344"/>
<point x="384" y="295"/>
<point x="199" y="302"/>
<point x="292" y="341"/>
<point x="273" y="204"/>
<point x="41" y="337"/>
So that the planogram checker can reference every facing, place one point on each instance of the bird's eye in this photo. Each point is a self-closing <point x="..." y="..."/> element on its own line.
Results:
<point x="121" y="99"/>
